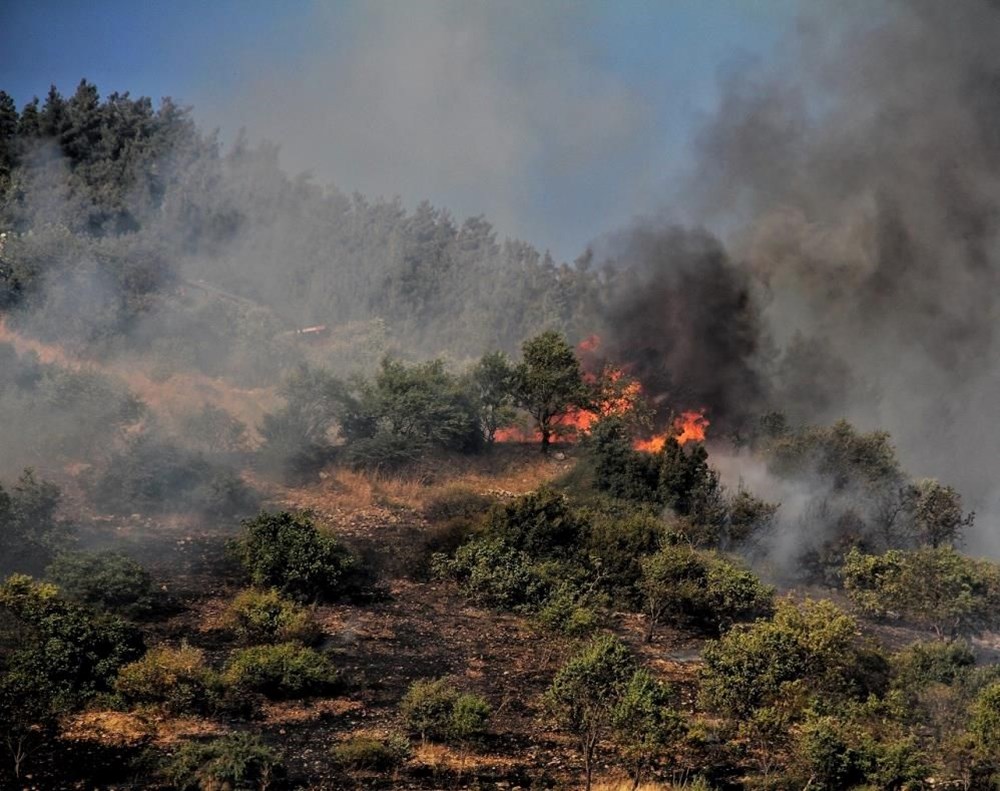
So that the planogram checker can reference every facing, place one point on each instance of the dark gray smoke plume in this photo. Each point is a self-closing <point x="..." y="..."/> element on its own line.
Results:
<point x="682" y="319"/>
<point x="860" y="185"/>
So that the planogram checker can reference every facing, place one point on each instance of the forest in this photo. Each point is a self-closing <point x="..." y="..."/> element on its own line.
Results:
<point x="303" y="489"/>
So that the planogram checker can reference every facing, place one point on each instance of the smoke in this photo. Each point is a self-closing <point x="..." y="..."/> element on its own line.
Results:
<point x="683" y="319"/>
<point x="857" y="182"/>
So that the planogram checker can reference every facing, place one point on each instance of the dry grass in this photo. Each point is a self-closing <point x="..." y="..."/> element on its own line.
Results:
<point x="130" y="728"/>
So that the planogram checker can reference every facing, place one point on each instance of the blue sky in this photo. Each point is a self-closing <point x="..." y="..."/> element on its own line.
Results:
<point x="559" y="120"/>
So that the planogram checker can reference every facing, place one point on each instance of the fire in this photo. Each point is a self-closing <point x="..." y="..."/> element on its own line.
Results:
<point x="689" y="426"/>
<point x="619" y="395"/>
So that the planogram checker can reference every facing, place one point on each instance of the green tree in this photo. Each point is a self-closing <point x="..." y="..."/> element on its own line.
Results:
<point x="586" y="692"/>
<point x="548" y="382"/>
<point x="936" y="513"/>
<point x="493" y="382"/>
<point x="644" y="724"/>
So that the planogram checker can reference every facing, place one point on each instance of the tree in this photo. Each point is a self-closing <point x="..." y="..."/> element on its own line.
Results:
<point x="493" y="382"/>
<point x="936" y="511"/>
<point x="644" y="724"/>
<point x="586" y="692"/>
<point x="548" y="382"/>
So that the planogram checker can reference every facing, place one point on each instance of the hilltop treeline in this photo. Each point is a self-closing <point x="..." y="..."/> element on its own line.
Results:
<point x="106" y="203"/>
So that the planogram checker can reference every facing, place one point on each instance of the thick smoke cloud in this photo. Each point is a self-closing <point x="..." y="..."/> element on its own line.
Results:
<point x="684" y="321"/>
<point x="859" y="184"/>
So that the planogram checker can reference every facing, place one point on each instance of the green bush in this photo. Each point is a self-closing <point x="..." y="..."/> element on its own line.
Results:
<point x="438" y="710"/>
<point x="286" y="551"/>
<point x="369" y="753"/>
<point x="567" y="612"/>
<point x="620" y="537"/>
<point x="237" y="761"/>
<point x="700" y="588"/>
<point x="70" y="650"/>
<point x="540" y="524"/>
<point x="108" y="580"/>
<point x="265" y="616"/>
<point x="30" y="533"/>
<point x="495" y="575"/>
<point x="154" y="476"/>
<point x="175" y="678"/>
<point x="286" y="670"/>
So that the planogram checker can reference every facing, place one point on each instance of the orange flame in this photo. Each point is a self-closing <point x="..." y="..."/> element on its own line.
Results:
<point x="689" y="426"/>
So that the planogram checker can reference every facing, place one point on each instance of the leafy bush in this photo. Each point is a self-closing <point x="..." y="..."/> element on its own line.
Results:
<point x="541" y="524"/>
<point x="108" y="580"/>
<point x="567" y="612"/>
<point x="265" y="616"/>
<point x="237" y="761"/>
<point x="29" y="532"/>
<point x="700" y="588"/>
<point x="286" y="670"/>
<point x="935" y="587"/>
<point x="438" y="710"/>
<point x="618" y="540"/>
<point x="369" y="753"/>
<point x="175" y="678"/>
<point x="494" y="574"/>
<point x="809" y="647"/>
<point x="286" y="551"/>
<point x="68" y="649"/>
<point x="153" y="475"/>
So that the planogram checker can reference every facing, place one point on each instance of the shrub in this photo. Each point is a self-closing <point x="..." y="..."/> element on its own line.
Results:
<point x="286" y="670"/>
<point x="495" y="575"/>
<point x="265" y="616"/>
<point x="175" y="678"/>
<point x="438" y="710"/>
<point x="153" y="475"/>
<point x="71" y="650"/>
<point x="286" y="551"/>
<point x="567" y="612"/>
<point x="369" y="753"/>
<point x="29" y="532"/>
<point x="108" y="580"/>
<point x="618" y="540"/>
<point x="240" y="760"/>
<point x="540" y="524"/>
<point x="700" y="588"/>
<point x="935" y="587"/>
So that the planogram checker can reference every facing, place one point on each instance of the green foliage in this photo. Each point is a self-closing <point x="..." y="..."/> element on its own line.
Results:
<point x="984" y="723"/>
<point x="586" y="692"/>
<point x="370" y="754"/>
<point x="155" y="476"/>
<point x="30" y="533"/>
<point x="568" y="612"/>
<point x="644" y="724"/>
<point x="494" y="574"/>
<point x="808" y="648"/>
<point x="541" y="524"/>
<point x="700" y="588"/>
<point x="438" y="710"/>
<point x="492" y="381"/>
<point x="548" y="382"/>
<point x="177" y="679"/>
<point x="62" y="647"/>
<point x="265" y="616"/>
<point x="287" y="551"/>
<point x="109" y="580"/>
<point x="239" y="760"/>
<point x="620" y="470"/>
<point x="617" y="542"/>
<point x="934" y="587"/>
<point x="936" y="513"/>
<point x="285" y="670"/>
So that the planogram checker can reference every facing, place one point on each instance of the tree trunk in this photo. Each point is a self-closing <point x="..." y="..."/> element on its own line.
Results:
<point x="546" y="439"/>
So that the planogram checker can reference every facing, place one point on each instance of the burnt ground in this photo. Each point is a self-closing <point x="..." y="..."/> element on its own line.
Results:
<point x="415" y="629"/>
